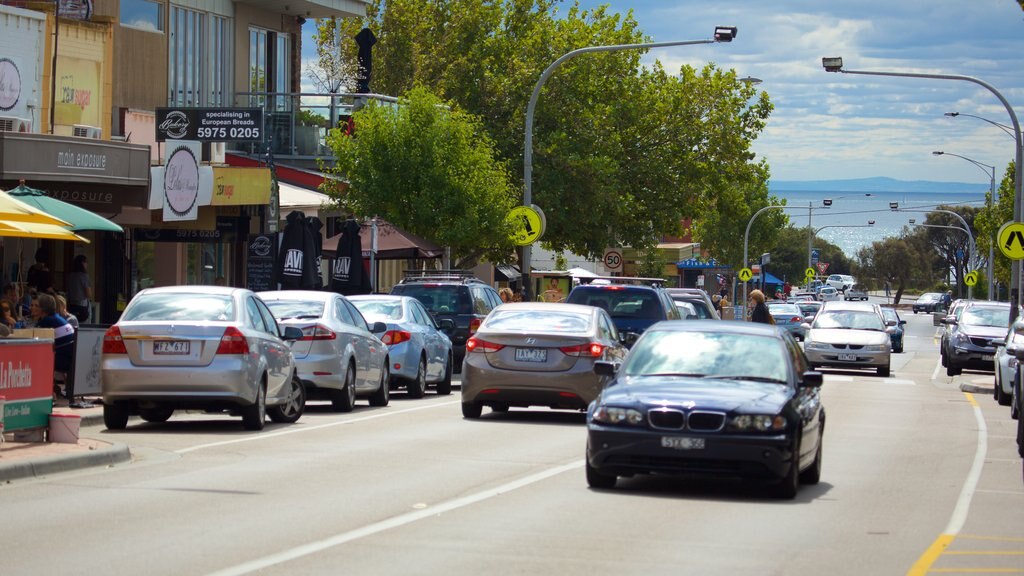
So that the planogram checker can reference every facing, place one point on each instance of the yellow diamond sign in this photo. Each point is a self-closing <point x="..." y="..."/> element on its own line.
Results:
<point x="1010" y="240"/>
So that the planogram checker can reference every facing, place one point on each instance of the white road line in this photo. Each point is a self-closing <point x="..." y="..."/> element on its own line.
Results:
<point x="298" y="430"/>
<point x="396" y="522"/>
<point x="963" y="503"/>
<point x="938" y="367"/>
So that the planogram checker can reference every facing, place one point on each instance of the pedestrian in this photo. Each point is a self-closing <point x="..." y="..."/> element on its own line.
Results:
<point x="62" y="310"/>
<point x="887" y="289"/>
<point x="717" y="301"/>
<point x="44" y="307"/>
<point x="39" y="276"/>
<point x="79" y="289"/>
<point x="760" y="311"/>
<point x="505" y="294"/>
<point x="947" y="299"/>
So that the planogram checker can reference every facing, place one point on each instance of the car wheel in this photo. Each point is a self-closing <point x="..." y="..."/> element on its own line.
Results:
<point x="996" y="389"/>
<point x="156" y="415"/>
<point x="344" y="400"/>
<point x="1015" y="401"/>
<point x="115" y="416"/>
<point x="418" y="385"/>
<point x="884" y="370"/>
<point x="943" y="358"/>
<point x="444" y="387"/>
<point x="596" y="479"/>
<point x="787" y="488"/>
<point x="915" y="311"/>
<point x="1020" y="436"/>
<point x="813" y="474"/>
<point x="1002" y="398"/>
<point x="383" y="394"/>
<point x="952" y="370"/>
<point x="293" y="406"/>
<point x="254" y="416"/>
<point x="471" y="410"/>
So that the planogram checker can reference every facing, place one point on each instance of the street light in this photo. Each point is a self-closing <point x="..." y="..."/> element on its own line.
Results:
<point x="835" y="64"/>
<point x="1003" y="127"/>
<point x="722" y="34"/>
<point x="971" y="251"/>
<point x="991" y="173"/>
<point x="827" y="202"/>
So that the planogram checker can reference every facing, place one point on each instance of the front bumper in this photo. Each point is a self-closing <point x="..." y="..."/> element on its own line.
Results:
<point x="967" y="354"/>
<point x="850" y="358"/>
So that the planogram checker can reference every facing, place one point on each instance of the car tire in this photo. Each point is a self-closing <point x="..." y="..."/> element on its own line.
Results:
<point x="943" y="358"/>
<point x="294" y="405"/>
<point x="599" y="480"/>
<point x="471" y="410"/>
<point x="156" y="415"/>
<point x="1015" y="399"/>
<point x="499" y="408"/>
<point x="418" y="385"/>
<point x="344" y="400"/>
<point x="254" y="416"/>
<point x="952" y="370"/>
<point x="115" y="416"/>
<point x="813" y="473"/>
<point x="787" y="488"/>
<point x="884" y="371"/>
<point x="382" y="396"/>
<point x="1002" y="398"/>
<point x="444" y="387"/>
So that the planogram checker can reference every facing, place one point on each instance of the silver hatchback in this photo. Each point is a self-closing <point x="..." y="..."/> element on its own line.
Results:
<point x="849" y="335"/>
<point x="199" y="347"/>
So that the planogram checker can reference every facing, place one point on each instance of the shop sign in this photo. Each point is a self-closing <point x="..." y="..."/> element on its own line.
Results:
<point x="79" y="94"/>
<point x="10" y="84"/>
<point x="181" y="186"/>
<point x="209" y="124"/>
<point x="235" y="186"/>
<point x="26" y="381"/>
<point x="75" y="9"/>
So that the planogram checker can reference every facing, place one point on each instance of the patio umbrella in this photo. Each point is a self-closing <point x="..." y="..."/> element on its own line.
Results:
<point x="296" y="267"/>
<point x="34" y="230"/>
<point x="12" y="209"/>
<point x="77" y="219"/>
<point x="347" y="274"/>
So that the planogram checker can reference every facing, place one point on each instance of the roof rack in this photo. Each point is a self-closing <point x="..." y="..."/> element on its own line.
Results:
<point x="656" y="282"/>
<point x="464" y="276"/>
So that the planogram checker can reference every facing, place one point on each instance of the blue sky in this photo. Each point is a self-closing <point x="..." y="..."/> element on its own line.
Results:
<point x="837" y="126"/>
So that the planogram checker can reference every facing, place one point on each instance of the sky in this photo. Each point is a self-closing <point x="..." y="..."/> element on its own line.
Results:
<point x="828" y="126"/>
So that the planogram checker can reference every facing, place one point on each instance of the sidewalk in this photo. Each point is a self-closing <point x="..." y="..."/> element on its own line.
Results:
<point x="36" y="459"/>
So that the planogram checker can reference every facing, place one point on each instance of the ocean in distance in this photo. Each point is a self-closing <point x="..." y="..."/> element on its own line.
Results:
<point x="845" y="223"/>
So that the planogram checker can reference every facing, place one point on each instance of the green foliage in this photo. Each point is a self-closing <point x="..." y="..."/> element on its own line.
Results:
<point x="560" y="262"/>
<point x="650" y="264"/>
<point x="430" y="170"/>
<point x="789" y="255"/>
<point x="307" y="117"/>
<point x="906" y="261"/>
<point x="336" y="65"/>
<point x="991" y="218"/>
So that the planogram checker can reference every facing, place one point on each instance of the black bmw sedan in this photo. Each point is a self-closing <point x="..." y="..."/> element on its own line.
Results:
<point x="709" y="398"/>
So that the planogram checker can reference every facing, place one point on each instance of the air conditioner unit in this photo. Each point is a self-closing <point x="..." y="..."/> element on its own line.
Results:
<point x="15" y="124"/>
<point x="217" y="152"/>
<point x="83" y="131"/>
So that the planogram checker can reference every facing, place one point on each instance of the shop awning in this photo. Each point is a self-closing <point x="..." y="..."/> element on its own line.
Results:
<point x="393" y="243"/>
<point x="77" y="219"/>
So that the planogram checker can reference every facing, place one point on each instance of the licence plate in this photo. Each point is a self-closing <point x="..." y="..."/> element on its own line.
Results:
<point x="171" y="347"/>
<point x="848" y="357"/>
<point x="531" y="355"/>
<point x="682" y="443"/>
<point x="988" y="358"/>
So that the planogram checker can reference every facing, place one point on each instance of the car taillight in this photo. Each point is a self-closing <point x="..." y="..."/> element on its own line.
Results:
<point x="474" y="325"/>
<point x="796" y="320"/>
<point x="112" y="342"/>
<point x="592" y="349"/>
<point x="317" y="332"/>
<point x="477" y="345"/>
<point x="233" y="342"/>
<point x="392" y="337"/>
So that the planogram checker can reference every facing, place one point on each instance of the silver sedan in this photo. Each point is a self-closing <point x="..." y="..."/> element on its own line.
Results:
<point x="339" y="356"/>
<point x="199" y="347"/>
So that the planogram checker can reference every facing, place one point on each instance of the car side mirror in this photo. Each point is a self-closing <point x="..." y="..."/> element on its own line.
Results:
<point x="902" y="322"/>
<point x="379" y="328"/>
<point x="890" y="323"/>
<point x="812" y="379"/>
<point x="604" y="368"/>
<point x="948" y="320"/>
<point x="628" y="338"/>
<point x="291" y="333"/>
<point x="446" y="324"/>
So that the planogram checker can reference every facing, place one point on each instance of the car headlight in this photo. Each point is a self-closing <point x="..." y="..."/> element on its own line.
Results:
<point x="961" y="338"/>
<point x="877" y="347"/>
<point x="812" y="345"/>
<point x="618" y="416"/>
<point x="757" y="423"/>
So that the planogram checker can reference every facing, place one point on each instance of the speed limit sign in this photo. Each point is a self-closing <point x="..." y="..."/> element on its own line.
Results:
<point x="613" y="260"/>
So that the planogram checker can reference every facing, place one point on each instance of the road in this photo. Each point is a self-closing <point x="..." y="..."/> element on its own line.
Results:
<point x="917" y="475"/>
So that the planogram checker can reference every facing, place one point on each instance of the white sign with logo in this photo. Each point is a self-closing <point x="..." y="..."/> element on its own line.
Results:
<point x="181" y="185"/>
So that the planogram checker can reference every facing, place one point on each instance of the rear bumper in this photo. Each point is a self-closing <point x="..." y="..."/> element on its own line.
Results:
<point x="226" y="380"/>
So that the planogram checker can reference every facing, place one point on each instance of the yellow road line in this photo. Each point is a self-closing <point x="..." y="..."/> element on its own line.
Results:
<point x="924" y="563"/>
<point x="984" y="553"/>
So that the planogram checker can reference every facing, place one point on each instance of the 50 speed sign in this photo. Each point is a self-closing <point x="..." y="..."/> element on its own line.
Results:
<point x="613" y="259"/>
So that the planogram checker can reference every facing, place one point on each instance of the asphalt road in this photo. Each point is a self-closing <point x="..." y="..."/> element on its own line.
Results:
<point x="917" y="475"/>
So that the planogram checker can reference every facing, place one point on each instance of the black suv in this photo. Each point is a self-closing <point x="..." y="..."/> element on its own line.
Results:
<point x="453" y="294"/>
<point x="634" y="304"/>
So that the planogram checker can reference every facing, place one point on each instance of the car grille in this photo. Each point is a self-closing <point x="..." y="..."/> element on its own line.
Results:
<point x="847" y="346"/>
<point x="698" y="420"/>
<point x="981" y="342"/>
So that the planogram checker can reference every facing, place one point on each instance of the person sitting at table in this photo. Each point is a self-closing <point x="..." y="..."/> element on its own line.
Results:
<point x="44" y="307"/>
<point x="62" y="310"/>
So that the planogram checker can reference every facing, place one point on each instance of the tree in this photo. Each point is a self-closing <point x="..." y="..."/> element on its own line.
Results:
<point x="789" y="255"/>
<point x="950" y="241"/>
<point x="990" y="219"/>
<point x="429" y="169"/>
<point x="902" y="261"/>
<point x="336" y="66"/>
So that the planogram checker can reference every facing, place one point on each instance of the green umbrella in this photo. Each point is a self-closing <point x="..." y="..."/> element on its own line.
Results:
<point x="79" y="218"/>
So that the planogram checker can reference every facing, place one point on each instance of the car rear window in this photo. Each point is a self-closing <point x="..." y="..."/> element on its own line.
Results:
<point x="379" y="309"/>
<point x="438" y="298"/>
<point x="289" y="309"/>
<point x="535" y="321"/>
<point x="621" y="304"/>
<point x="180" y="306"/>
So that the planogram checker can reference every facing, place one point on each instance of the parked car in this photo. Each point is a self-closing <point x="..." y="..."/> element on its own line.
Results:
<point x="705" y="398"/>
<point x="789" y="317"/>
<point x="828" y="294"/>
<point x="686" y="310"/>
<point x="809" y="308"/>
<point x="206" y="348"/>
<point x="849" y="335"/>
<point x="455" y="295"/>
<point x="841" y="282"/>
<point x="420" y="352"/>
<point x="538" y="354"/>
<point x="1006" y="365"/>
<point x="856" y="292"/>
<point x="955" y="309"/>
<point x="927" y="302"/>
<point x="970" y="341"/>
<point x="339" y="357"/>
<point x="633" y="304"/>
<point x="701" y="301"/>
<point x="896" y="336"/>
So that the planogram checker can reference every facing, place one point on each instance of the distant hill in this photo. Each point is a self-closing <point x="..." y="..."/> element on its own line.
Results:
<point x="877" y="184"/>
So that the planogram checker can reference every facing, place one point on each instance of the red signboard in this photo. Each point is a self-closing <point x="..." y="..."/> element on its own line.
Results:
<point x="26" y="382"/>
<point x="822" y="266"/>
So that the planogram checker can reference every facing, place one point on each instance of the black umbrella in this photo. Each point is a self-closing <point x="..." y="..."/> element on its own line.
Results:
<point x="296" y="269"/>
<point x="314" y="225"/>
<point x="347" y="274"/>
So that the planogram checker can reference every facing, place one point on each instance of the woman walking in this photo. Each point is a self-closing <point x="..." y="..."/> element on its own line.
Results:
<point x="760" y="312"/>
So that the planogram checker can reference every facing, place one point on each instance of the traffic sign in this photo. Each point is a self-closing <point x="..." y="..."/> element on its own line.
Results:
<point x="971" y="278"/>
<point x="822" y="266"/>
<point x="810" y="273"/>
<point x="613" y="259"/>
<point x="527" y="225"/>
<point x="815" y="256"/>
<point x="1011" y="240"/>
<point x="745" y="275"/>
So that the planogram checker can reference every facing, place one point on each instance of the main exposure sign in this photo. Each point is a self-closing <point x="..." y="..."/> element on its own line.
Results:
<point x="209" y="124"/>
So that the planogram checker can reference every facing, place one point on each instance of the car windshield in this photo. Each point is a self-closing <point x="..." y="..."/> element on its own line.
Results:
<point x="849" y="319"/>
<point x="289" y="309"/>
<point x="620" y="303"/>
<point x="784" y="309"/>
<point x="984" y="316"/>
<point x="180" y="306"/>
<point x="929" y="297"/>
<point x="890" y="314"/>
<point x="538" y="321"/>
<point x="379" y="310"/>
<point x="809" y="309"/>
<point x="708" y="354"/>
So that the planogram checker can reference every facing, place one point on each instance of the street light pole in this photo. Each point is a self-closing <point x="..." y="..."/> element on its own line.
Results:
<point x="991" y="173"/>
<point x="972" y="253"/>
<point x="722" y="34"/>
<point x="833" y="64"/>
<point x="746" y="242"/>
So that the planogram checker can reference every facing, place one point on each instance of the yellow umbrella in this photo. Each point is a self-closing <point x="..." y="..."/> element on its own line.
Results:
<point x="34" y="230"/>
<point x="14" y="210"/>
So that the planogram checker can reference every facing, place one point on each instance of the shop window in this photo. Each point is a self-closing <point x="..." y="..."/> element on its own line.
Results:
<point x="143" y="14"/>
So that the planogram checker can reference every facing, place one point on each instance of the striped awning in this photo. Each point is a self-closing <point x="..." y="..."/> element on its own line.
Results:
<point x="698" y="264"/>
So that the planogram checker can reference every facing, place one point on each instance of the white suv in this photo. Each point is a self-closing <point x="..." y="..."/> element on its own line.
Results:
<point x="841" y="282"/>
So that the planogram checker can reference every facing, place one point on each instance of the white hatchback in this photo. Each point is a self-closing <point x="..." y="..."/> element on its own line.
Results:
<point x="841" y="282"/>
<point x="828" y="294"/>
